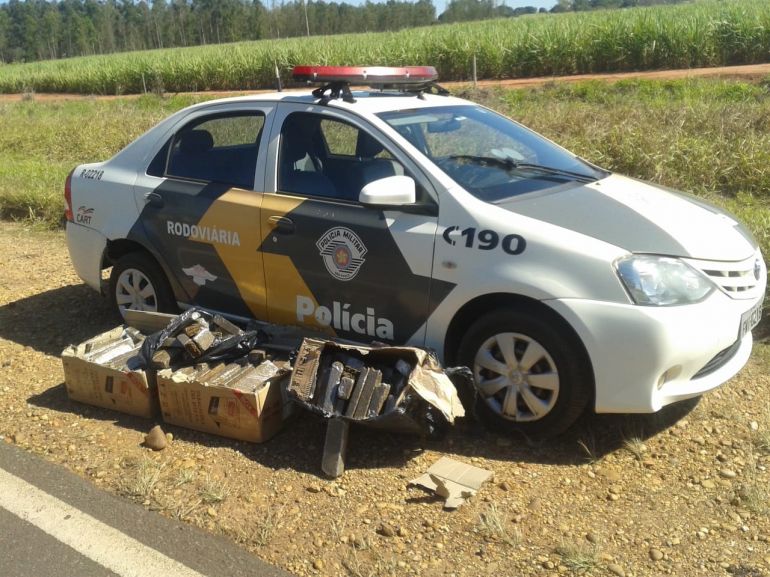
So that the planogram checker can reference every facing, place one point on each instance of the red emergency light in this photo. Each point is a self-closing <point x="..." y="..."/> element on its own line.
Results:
<point x="366" y="75"/>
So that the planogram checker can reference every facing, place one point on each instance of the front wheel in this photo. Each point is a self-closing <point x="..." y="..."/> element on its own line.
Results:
<point x="530" y="374"/>
<point x="138" y="283"/>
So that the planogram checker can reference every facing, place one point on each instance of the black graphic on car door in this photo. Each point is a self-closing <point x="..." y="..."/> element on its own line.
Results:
<point x="330" y="262"/>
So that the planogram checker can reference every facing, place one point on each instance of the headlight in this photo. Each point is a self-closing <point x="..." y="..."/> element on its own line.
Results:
<point x="662" y="281"/>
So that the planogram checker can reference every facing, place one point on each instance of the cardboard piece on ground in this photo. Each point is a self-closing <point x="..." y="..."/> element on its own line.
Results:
<point x="453" y="480"/>
<point x="104" y="371"/>
<point x="147" y="322"/>
<point x="240" y="402"/>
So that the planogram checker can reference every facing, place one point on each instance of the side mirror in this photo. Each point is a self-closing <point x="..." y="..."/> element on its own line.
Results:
<point x="389" y="191"/>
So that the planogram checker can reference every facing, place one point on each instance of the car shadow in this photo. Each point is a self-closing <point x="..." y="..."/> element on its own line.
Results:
<point x="51" y="320"/>
<point x="589" y="440"/>
<point x="300" y="445"/>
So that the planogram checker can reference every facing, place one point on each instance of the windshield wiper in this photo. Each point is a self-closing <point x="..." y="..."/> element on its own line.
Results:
<point x="509" y="164"/>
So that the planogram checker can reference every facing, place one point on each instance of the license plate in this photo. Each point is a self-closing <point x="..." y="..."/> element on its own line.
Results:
<point x="750" y="319"/>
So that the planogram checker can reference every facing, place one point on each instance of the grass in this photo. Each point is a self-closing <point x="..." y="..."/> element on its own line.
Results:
<point x="141" y="478"/>
<point x="183" y="477"/>
<point x="213" y="491"/>
<point x="578" y="559"/>
<point x="493" y="525"/>
<point x="753" y="493"/>
<point x="182" y="508"/>
<point x="375" y="565"/>
<point x="703" y="33"/>
<point x="267" y="522"/>
<point x="755" y="496"/>
<point x="354" y="566"/>
<point x="589" y="446"/>
<point x="635" y="446"/>
<point x="41" y="142"/>
<point x="761" y="437"/>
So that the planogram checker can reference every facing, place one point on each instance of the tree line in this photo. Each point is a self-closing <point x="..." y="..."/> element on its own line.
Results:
<point x="49" y="29"/>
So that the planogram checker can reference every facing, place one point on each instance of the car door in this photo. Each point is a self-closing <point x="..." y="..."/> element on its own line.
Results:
<point x="200" y="202"/>
<point x="331" y="263"/>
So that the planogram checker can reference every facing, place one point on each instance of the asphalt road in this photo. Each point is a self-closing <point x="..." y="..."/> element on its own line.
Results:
<point x="53" y="524"/>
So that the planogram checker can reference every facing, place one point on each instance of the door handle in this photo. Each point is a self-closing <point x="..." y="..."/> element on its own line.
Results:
<point x="153" y="199"/>
<point x="282" y="224"/>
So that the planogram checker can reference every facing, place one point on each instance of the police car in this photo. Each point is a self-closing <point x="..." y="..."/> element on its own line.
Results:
<point x="401" y="214"/>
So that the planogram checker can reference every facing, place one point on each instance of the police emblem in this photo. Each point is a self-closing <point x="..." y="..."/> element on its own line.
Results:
<point x="342" y="252"/>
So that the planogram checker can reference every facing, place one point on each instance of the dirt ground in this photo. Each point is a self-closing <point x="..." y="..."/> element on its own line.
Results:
<point x="685" y="492"/>
<point x="747" y="73"/>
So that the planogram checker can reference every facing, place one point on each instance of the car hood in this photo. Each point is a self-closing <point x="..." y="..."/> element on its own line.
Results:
<point x="640" y="217"/>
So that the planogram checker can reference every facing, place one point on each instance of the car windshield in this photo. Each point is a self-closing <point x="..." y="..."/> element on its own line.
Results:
<point x="491" y="156"/>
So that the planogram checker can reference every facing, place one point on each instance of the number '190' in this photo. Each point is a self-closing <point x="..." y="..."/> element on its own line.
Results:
<point x="486" y="239"/>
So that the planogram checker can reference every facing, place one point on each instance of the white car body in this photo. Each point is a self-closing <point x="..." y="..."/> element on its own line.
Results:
<point x="641" y="358"/>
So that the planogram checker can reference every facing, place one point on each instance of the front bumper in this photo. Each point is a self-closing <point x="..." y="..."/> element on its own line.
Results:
<point x="645" y="358"/>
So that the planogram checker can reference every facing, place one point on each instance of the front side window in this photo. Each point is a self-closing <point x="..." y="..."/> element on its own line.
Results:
<point x="330" y="158"/>
<point x="220" y="149"/>
<point x="489" y="155"/>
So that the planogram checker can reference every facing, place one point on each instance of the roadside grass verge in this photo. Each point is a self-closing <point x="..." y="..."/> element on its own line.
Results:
<point x="42" y="141"/>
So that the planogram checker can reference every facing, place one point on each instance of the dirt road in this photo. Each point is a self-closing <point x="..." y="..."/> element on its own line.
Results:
<point x="682" y="493"/>
<point x="749" y="72"/>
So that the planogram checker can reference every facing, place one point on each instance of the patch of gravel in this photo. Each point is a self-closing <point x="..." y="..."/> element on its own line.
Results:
<point x="684" y="492"/>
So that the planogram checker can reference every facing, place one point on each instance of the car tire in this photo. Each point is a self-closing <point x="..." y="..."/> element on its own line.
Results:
<point x="138" y="283"/>
<point x="531" y="375"/>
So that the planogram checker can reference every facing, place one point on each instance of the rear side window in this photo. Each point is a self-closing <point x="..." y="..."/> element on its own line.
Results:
<point x="220" y="149"/>
<point x="233" y="130"/>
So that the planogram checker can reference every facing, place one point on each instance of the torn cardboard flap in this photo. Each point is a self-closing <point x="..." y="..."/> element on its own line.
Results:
<point x="436" y="389"/>
<point x="456" y="482"/>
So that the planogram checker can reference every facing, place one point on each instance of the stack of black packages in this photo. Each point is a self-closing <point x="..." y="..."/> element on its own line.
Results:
<point x="196" y="337"/>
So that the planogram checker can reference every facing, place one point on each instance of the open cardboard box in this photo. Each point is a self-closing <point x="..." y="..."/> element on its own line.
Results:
<point x="105" y="371"/>
<point x="239" y="401"/>
<point x="426" y="380"/>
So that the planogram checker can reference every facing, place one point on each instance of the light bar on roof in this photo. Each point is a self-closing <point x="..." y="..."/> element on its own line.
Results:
<point x="366" y="75"/>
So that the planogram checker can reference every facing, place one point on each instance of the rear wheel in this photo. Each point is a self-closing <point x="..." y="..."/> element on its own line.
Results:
<point x="138" y="283"/>
<point x="530" y="374"/>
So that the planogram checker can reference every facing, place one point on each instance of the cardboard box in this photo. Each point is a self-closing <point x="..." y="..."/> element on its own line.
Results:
<point x="104" y="371"/>
<point x="419" y="370"/>
<point x="233" y="400"/>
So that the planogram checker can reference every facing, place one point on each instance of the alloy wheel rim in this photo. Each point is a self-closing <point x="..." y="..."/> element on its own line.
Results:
<point x="134" y="291"/>
<point x="516" y="377"/>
